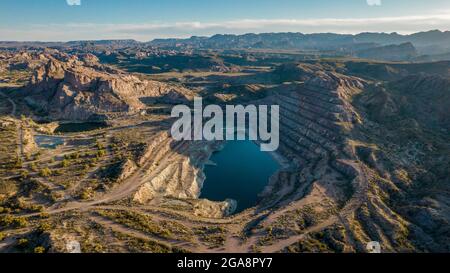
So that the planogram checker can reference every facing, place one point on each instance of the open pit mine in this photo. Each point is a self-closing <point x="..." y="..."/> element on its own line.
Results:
<point x="87" y="153"/>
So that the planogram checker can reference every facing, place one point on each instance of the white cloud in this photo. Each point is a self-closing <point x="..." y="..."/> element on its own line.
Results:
<point x="73" y="2"/>
<point x="374" y="2"/>
<point x="148" y="31"/>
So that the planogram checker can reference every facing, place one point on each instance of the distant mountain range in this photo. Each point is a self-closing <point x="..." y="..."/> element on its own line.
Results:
<point x="430" y="45"/>
<point x="431" y="42"/>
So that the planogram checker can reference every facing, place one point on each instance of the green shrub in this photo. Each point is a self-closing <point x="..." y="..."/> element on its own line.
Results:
<point x="44" y="227"/>
<point x="65" y="163"/>
<point x="45" y="172"/>
<point x="20" y="222"/>
<point x="23" y="242"/>
<point x="44" y="215"/>
<point x="86" y="194"/>
<point x="34" y="167"/>
<point x="18" y="163"/>
<point x="39" y="249"/>
<point x="24" y="174"/>
<point x="36" y="208"/>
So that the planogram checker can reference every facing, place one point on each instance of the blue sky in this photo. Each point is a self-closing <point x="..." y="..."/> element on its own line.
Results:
<point x="54" y="20"/>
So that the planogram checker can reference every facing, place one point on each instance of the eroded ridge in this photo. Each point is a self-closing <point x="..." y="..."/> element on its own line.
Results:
<point x="363" y="158"/>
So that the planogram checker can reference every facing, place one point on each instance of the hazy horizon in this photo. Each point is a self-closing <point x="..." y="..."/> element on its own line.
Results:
<point x="207" y="36"/>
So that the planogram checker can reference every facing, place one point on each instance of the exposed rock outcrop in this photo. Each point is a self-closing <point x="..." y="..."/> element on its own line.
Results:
<point x="356" y="148"/>
<point x="209" y="209"/>
<point x="127" y="169"/>
<point x="69" y="90"/>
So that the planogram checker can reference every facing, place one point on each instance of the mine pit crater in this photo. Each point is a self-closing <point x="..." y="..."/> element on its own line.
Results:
<point x="240" y="171"/>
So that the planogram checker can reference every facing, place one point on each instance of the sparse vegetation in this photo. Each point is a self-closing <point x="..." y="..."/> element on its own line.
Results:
<point x="39" y="249"/>
<point x="364" y="145"/>
<point x="46" y="172"/>
<point x="139" y="222"/>
<point x="214" y="236"/>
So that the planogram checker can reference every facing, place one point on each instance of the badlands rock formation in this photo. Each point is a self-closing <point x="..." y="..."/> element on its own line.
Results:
<point x="345" y="171"/>
<point x="365" y="159"/>
<point x="327" y="177"/>
<point x="315" y="120"/>
<point x="82" y="89"/>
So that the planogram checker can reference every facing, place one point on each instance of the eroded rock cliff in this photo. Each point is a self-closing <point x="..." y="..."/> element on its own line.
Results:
<point x="82" y="90"/>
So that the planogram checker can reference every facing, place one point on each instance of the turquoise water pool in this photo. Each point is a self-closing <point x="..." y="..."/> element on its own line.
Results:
<point x="241" y="173"/>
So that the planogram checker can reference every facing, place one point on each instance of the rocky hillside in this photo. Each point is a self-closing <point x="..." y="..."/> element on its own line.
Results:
<point x="369" y="163"/>
<point x="80" y="89"/>
<point x="369" y="70"/>
<point x="364" y="156"/>
<point x="402" y="52"/>
<point x="407" y="124"/>
<point x="424" y="98"/>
